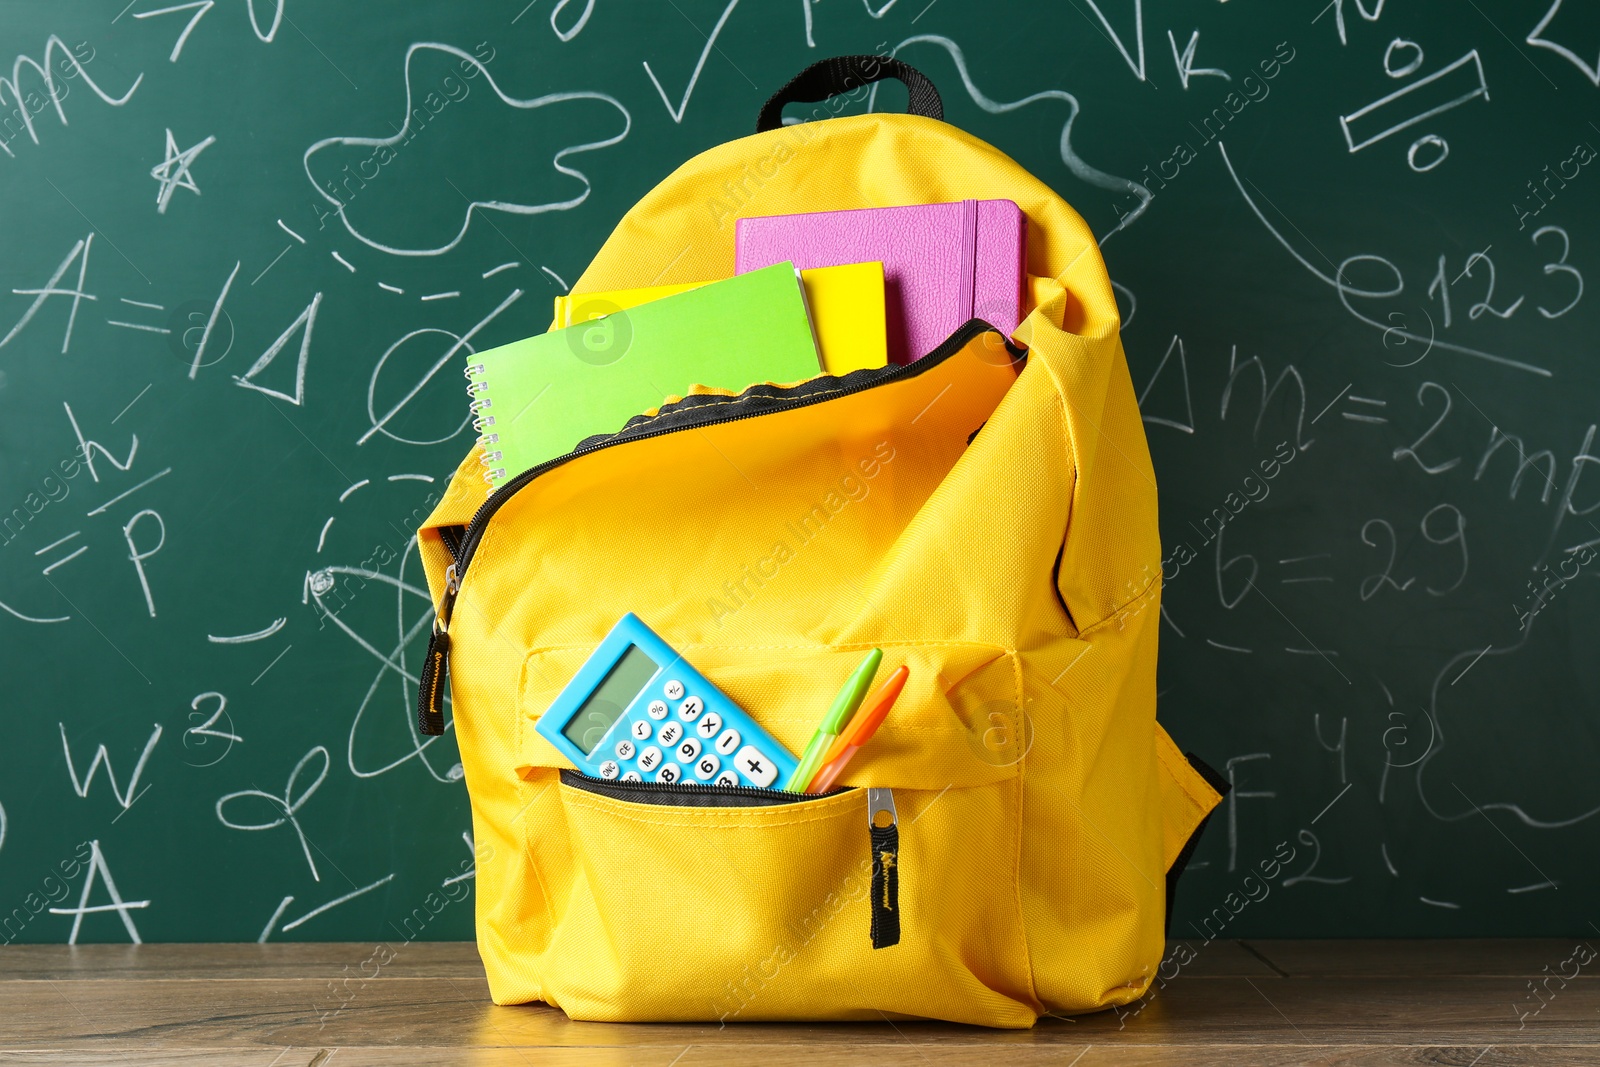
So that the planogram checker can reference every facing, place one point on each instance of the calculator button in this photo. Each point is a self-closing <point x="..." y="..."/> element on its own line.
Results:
<point x="728" y="777"/>
<point x="670" y="732"/>
<point x="728" y="742"/>
<point x="673" y="689"/>
<point x="650" y="759"/>
<point x="707" y="766"/>
<point x="691" y="708"/>
<point x="708" y="725"/>
<point x="755" y="765"/>
<point x="631" y="776"/>
<point x="642" y="729"/>
<point x="625" y="750"/>
<point x="657" y="709"/>
<point x="688" y="750"/>
<point x="609" y="769"/>
<point x="669" y="773"/>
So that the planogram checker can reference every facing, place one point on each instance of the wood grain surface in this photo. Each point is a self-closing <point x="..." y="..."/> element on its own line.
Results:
<point x="1323" y="1003"/>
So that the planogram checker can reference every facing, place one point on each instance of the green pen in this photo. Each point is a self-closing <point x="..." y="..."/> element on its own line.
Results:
<point x="833" y="723"/>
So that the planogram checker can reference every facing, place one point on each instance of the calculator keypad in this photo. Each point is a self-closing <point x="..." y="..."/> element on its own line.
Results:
<point x="696" y="744"/>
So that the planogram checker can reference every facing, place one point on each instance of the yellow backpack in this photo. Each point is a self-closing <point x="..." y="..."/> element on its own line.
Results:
<point x="989" y="519"/>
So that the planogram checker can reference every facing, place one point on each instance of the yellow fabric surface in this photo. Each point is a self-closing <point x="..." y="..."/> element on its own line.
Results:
<point x="994" y="530"/>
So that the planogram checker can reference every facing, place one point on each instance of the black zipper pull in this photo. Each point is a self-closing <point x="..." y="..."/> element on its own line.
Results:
<point x="436" y="665"/>
<point x="430" y="686"/>
<point x="885" y="832"/>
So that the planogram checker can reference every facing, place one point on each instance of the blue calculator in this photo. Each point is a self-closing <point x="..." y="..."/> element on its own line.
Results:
<point x="637" y="712"/>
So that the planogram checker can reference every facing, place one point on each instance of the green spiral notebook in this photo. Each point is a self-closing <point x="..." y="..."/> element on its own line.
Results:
<point x="534" y="400"/>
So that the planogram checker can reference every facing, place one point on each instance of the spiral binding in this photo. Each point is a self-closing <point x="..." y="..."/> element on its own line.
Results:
<point x="476" y="387"/>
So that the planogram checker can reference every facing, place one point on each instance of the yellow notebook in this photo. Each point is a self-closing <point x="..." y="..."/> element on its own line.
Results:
<point x="846" y="304"/>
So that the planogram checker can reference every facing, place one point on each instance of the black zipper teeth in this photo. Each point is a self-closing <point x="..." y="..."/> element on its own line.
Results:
<point x="605" y="787"/>
<point x="451" y="536"/>
<point x="480" y="518"/>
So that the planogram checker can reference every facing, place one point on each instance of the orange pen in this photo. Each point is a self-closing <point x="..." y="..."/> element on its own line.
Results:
<point x="860" y="731"/>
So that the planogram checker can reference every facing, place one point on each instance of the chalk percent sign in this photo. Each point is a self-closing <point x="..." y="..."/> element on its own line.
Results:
<point x="1445" y="89"/>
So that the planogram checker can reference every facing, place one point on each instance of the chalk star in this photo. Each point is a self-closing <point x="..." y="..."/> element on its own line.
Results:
<point x="173" y="172"/>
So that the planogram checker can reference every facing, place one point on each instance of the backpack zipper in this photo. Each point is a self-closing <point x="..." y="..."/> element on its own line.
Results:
<point x="430" y="698"/>
<point x="883" y="831"/>
<point x="649" y="792"/>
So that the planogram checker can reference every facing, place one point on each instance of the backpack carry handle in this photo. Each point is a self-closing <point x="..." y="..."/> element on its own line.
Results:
<point x="844" y="74"/>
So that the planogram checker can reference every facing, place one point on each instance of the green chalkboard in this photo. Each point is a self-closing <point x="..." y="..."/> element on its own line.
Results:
<point x="1351" y="241"/>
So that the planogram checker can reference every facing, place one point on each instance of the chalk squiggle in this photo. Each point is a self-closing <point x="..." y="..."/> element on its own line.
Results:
<point x="1075" y="163"/>
<point x="493" y="205"/>
<point x="1452" y="669"/>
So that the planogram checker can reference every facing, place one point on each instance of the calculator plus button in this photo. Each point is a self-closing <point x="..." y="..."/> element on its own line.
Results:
<point x="642" y="730"/>
<point x="688" y="750"/>
<point x="728" y="777"/>
<point x="673" y="689"/>
<point x="755" y="765"/>
<point x="708" y="725"/>
<point x="670" y="733"/>
<point x="609" y="769"/>
<point x="708" y="766"/>
<point x="657" y="709"/>
<point x="728" y="742"/>
<point x="691" y="708"/>
<point x="625" y="749"/>
<point x="650" y="759"/>
<point x="669" y="773"/>
<point x="631" y="776"/>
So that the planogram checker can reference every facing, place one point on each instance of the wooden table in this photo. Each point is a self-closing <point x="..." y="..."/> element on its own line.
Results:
<point x="1238" y="1003"/>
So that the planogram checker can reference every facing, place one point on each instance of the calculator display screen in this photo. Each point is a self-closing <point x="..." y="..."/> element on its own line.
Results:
<point x="610" y="699"/>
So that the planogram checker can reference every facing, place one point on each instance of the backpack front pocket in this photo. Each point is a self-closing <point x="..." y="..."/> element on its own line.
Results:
<point x="772" y="905"/>
<point x="672" y="910"/>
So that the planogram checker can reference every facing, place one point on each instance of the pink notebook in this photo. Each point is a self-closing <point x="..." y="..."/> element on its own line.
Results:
<point x="942" y="263"/>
